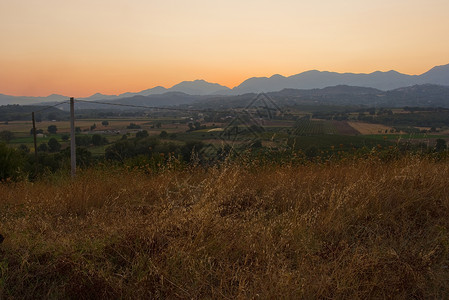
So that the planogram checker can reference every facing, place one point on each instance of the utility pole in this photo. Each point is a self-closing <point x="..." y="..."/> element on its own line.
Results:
<point x="35" y="142"/>
<point x="72" y="138"/>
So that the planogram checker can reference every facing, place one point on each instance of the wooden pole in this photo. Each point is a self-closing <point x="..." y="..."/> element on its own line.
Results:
<point x="35" y="141"/>
<point x="72" y="138"/>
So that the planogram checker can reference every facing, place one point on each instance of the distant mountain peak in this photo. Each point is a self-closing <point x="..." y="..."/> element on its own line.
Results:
<point x="199" y="87"/>
<point x="313" y="79"/>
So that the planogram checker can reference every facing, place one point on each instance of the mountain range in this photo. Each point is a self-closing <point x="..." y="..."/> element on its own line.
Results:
<point x="313" y="79"/>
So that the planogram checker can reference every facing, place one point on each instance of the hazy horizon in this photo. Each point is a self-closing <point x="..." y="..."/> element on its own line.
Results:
<point x="113" y="47"/>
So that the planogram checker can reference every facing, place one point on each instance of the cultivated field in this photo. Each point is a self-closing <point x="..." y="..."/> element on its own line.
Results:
<point x="352" y="229"/>
<point x="368" y="128"/>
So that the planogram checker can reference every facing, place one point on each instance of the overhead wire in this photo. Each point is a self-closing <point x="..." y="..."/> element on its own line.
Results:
<point x="157" y="107"/>
<point x="51" y="106"/>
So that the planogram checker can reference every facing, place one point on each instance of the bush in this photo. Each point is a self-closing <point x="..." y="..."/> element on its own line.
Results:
<point x="6" y="135"/>
<point x="42" y="148"/>
<point x="98" y="140"/>
<point x="52" y="129"/>
<point x="142" y="134"/>
<point x="163" y="134"/>
<point x="54" y="145"/>
<point x="11" y="163"/>
<point x="440" y="145"/>
<point x="133" y="126"/>
<point x="83" y="140"/>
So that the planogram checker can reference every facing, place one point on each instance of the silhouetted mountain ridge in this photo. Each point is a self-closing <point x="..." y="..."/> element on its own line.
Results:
<point x="312" y="79"/>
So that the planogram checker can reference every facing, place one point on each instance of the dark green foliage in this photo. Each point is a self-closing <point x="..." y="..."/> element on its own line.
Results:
<point x="142" y="134"/>
<point x="440" y="145"/>
<point x="52" y="129"/>
<point x="105" y="123"/>
<point x="37" y="131"/>
<point x="133" y="126"/>
<point x="98" y="140"/>
<point x="24" y="148"/>
<point x="83" y="156"/>
<point x="257" y="144"/>
<point x="191" y="148"/>
<point x="311" y="151"/>
<point x="83" y="140"/>
<point x="42" y="148"/>
<point x="54" y="145"/>
<point x="11" y="163"/>
<point x="17" y="112"/>
<point x="422" y="118"/>
<point x="6" y="135"/>
<point x="124" y="149"/>
<point x="163" y="134"/>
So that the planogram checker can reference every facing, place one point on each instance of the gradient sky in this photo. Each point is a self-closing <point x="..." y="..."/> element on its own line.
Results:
<point x="77" y="48"/>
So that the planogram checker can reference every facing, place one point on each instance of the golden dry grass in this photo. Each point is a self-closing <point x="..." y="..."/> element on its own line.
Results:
<point x="368" y="128"/>
<point x="352" y="230"/>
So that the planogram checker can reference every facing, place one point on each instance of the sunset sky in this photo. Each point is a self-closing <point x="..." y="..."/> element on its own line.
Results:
<point x="77" y="48"/>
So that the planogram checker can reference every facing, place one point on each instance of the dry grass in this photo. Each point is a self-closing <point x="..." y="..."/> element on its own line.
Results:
<point x="368" y="128"/>
<point x="363" y="229"/>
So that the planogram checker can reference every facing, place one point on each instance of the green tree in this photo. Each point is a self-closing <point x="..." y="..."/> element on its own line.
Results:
<point x="105" y="123"/>
<point x="98" y="140"/>
<point x="11" y="163"/>
<point x="6" y="135"/>
<point x="24" y="148"/>
<point x="440" y="145"/>
<point x="133" y="126"/>
<point x="37" y="131"/>
<point x="163" y="134"/>
<point x="52" y="129"/>
<point x="142" y="134"/>
<point x="54" y="145"/>
<point x="257" y="144"/>
<point x="42" y="148"/>
<point x="83" y="140"/>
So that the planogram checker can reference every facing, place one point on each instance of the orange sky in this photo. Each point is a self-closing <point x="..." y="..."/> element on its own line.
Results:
<point x="77" y="48"/>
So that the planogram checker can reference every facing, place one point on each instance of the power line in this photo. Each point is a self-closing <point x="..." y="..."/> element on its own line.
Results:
<point x="159" y="108"/>
<point x="51" y="106"/>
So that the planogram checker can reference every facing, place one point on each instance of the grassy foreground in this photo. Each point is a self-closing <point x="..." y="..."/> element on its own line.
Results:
<point x="361" y="229"/>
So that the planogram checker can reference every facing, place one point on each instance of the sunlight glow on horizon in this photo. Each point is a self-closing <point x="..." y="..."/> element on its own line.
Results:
<point x="116" y="46"/>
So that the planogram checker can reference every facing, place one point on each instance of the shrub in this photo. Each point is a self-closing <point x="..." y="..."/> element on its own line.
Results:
<point x="163" y="134"/>
<point x="11" y="163"/>
<point x="142" y="134"/>
<point x="52" y="129"/>
<point x="6" y="135"/>
<point x="54" y="145"/>
<point x="133" y="126"/>
<point x="98" y="140"/>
